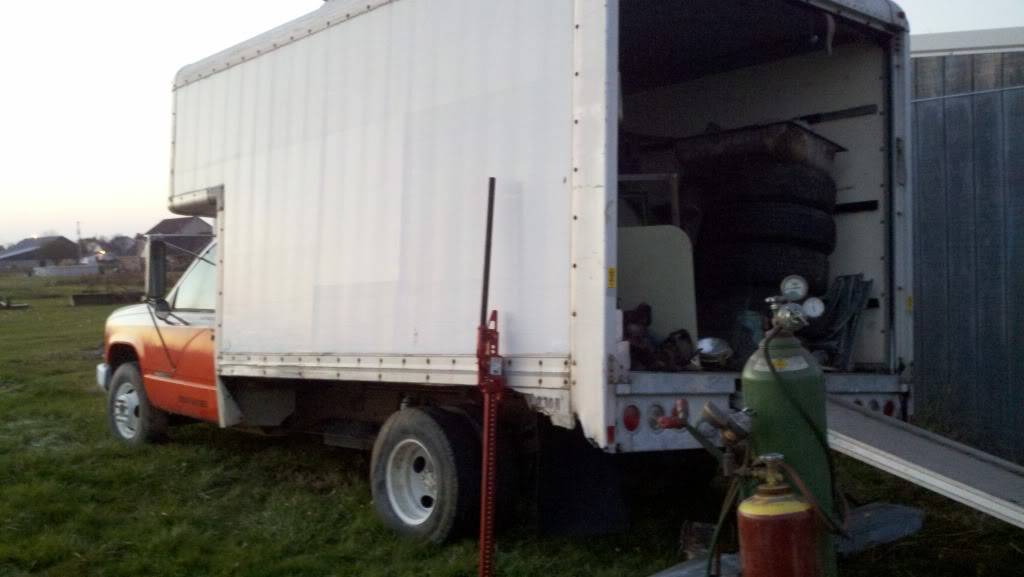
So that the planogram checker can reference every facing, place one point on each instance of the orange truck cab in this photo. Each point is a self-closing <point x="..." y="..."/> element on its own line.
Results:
<point x="159" y="356"/>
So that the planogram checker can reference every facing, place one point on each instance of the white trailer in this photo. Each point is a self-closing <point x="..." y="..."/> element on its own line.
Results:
<point x="345" y="156"/>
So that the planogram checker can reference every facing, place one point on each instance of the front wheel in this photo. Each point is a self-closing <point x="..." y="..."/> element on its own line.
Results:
<point x="133" y="419"/>
<point x="425" y="474"/>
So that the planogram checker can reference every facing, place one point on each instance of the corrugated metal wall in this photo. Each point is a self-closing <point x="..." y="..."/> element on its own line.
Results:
<point x="969" y="246"/>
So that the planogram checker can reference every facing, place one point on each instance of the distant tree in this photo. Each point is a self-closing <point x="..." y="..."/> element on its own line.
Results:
<point x="122" y="244"/>
<point x="49" y="232"/>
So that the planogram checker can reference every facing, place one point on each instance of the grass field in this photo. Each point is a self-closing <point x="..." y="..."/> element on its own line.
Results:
<point x="215" y="502"/>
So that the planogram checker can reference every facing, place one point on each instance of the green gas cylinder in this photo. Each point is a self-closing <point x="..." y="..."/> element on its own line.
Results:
<point x="788" y="413"/>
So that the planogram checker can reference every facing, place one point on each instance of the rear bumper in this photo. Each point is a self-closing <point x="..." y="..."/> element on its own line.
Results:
<point x="103" y="376"/>
<point x="654" y="394"/>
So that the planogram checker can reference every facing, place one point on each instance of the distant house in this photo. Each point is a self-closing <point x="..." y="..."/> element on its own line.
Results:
<point x="125" y="245"/>
<point x="185" y="237"/>
<point x="96" y="251"/>
<point x="190" y="233"/>
<point x="36" y="252"/>
<point x="129" y="252"/>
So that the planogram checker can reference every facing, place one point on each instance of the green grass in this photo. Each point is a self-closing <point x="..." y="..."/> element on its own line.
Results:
<point x="219" y="502"/>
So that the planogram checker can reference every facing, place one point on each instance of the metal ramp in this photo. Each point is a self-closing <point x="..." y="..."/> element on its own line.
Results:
<point x="976" y="479"/>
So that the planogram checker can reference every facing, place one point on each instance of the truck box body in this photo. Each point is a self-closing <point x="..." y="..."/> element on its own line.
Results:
<point x="353" y="146"/>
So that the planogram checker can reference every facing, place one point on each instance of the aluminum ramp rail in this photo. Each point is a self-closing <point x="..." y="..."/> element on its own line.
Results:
<point x="976" y="479"/>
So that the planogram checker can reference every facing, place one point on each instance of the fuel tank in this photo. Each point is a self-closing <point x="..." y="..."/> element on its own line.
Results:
<point x="779" y="535"/>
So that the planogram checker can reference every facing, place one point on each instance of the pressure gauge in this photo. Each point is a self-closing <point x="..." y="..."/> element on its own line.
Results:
<point x="794" y="288"/>
<point x="814" y="307"/>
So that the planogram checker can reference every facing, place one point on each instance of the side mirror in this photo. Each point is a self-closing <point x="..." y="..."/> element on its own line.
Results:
<point x="156" y="269"/>
<point x="161" y="308"/>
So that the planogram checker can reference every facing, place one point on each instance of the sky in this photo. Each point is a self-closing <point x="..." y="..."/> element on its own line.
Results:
<point x="85" y="101"/>
<point x="930" y="16"/>
<point x="85" y="104"/>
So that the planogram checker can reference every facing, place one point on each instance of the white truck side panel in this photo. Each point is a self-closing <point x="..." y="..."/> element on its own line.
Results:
<point x="355" y="163"/>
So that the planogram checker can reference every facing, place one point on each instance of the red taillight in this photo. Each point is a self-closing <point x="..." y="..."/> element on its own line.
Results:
<point x="889" y="409"/>
<point x="631" y="418"/>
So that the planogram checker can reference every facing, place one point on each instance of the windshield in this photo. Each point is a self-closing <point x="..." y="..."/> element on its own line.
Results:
<point x="197" y="289"/>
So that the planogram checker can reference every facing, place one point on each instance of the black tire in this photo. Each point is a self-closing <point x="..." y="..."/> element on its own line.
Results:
<point x="132" y="419"/>
<point x="765" y="180"/>
<point x="453" y="448"/>
<point x="760" y="264"/>
<point x="773" y="222"/>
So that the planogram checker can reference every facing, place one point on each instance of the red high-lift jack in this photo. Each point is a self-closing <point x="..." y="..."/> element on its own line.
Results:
<point x="491" y="380"/>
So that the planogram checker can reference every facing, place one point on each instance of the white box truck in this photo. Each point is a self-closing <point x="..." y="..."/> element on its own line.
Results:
<point x="647" y="152"/>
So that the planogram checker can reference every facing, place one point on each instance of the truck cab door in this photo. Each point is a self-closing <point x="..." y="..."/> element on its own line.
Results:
<point x="179" y="374"/>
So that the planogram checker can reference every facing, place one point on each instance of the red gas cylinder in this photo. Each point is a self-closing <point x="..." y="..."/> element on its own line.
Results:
<point x="778" y="534"/>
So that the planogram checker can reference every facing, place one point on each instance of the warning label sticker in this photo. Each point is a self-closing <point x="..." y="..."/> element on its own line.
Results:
<point x="782" y="365"/>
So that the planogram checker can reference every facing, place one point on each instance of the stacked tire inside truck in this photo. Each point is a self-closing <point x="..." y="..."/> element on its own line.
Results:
<point x="763" y="220"/>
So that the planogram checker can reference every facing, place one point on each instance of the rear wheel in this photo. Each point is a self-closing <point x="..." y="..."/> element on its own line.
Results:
<point x="425" y="474"/>
<point x="132" y="418"/>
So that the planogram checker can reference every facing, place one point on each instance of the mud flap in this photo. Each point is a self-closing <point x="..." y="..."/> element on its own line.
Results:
<point x="578" y="486"/>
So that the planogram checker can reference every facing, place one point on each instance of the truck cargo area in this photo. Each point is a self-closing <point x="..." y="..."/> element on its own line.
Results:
<point x="755" y="142"/>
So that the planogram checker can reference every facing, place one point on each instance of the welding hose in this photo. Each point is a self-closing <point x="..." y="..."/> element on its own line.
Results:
<point x="795" y="479"/>
<point x="730" y="497"/>
<point x="834" y="525"/>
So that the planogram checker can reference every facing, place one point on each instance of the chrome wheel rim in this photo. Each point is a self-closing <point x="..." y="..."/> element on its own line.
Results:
<point x="126" y="410"/>
<point x="411" y="480"/>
